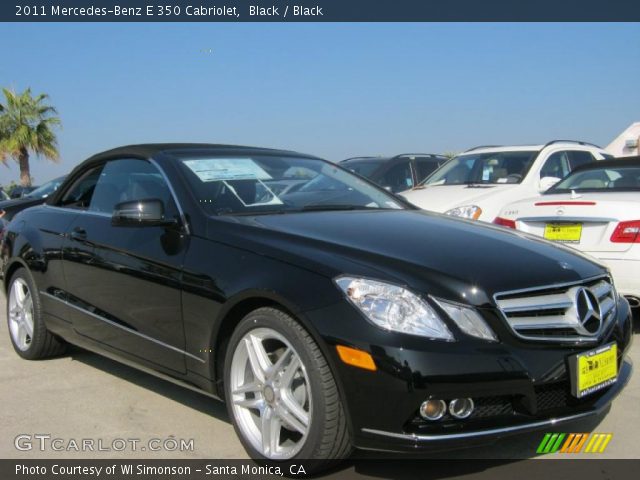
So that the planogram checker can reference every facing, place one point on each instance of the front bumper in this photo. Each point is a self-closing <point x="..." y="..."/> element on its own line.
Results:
<point x="394" y="441"/>
<point x="517" y="385"/>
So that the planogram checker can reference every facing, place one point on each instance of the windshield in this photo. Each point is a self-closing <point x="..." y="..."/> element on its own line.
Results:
<point x="362" y="167"/>
<point x="45" y="190"/>
<point x="481" y="168"/>
<point x="613" y="179"/>
<point x="272" y="184"/>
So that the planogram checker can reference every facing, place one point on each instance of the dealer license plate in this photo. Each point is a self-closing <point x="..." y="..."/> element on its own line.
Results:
<point x="594" y="370"/>
<point x="563" y="232"/>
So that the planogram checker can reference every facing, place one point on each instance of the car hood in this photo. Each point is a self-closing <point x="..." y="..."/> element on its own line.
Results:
<point x="440" y="198"/>
<point x="12" y="207"/>
<point x="457" y="259"/>
<point x="16" y="202"/>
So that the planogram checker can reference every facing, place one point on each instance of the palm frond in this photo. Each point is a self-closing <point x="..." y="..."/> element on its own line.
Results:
<point x="27" y="124"/>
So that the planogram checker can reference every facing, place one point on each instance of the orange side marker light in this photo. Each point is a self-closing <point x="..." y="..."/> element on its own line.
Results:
<point x="356" y="358"/>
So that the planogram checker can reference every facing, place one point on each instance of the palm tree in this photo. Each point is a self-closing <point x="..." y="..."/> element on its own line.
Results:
<point x="27" y="124"/>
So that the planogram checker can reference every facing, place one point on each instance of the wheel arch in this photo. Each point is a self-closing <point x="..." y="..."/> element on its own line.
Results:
<point x="13" y="266"/>
<point x="241" y="307"/>
<point x="237" y="310"/>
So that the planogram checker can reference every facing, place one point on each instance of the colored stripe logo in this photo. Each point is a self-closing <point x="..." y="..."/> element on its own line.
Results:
<point x="574" y="443"/>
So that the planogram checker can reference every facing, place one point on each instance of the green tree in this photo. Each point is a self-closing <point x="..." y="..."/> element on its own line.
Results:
<point x="27" y="125"/>
<point x="7" y="188"/>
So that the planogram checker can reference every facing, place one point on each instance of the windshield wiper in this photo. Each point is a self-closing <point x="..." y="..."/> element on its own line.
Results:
<point x="480" y="184"/>
<point x="307" y="208"/>
<point x="316" y="207"/>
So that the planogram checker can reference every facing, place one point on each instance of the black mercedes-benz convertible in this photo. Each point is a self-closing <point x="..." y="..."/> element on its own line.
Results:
<point x="328" y="316"/>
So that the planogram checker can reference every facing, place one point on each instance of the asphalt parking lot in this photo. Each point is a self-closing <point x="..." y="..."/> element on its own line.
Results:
<point x="82" y="395"/>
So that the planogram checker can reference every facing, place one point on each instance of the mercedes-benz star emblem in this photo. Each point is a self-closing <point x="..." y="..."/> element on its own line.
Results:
<point x="588" y="308"/>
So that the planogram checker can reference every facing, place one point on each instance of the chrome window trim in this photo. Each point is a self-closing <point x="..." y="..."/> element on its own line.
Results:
<point x="78" y="210"/>
<point x="114" y="324"/>
<point x="183" y="217"/>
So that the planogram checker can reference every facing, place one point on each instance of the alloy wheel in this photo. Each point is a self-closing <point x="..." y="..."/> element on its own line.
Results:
<point x="21" y="323"/>
<point x="270" y="394"/>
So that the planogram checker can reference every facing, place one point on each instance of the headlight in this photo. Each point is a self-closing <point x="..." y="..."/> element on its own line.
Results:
<point x="394" y="308"/>
<point x="468" y="320"/>
<point x="471" y="212"/>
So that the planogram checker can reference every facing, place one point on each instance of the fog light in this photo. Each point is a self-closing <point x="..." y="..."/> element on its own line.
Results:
<point x="433" y="409"/>
<point x="461" y="408"/>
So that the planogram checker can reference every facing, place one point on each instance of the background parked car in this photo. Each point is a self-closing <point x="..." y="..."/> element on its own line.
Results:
<point x="595" y="209"/>
<point x="479" y="182"/>
<point x="9" y="208"/>
<point x="396" y="173"/>
<point x="19" y="191"/>
<point x="34" y="197"/>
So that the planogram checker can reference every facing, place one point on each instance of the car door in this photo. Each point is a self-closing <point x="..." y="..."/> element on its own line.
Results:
<point x="124" y="282"/>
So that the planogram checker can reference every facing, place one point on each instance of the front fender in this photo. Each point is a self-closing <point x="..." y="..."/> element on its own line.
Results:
<point x="37" y="249"/>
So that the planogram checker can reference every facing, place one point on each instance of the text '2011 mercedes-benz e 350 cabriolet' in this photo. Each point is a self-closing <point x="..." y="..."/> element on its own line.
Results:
<point x="328" y="313"/>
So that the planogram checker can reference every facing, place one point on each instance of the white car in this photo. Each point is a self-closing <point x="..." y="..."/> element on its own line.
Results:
<point x="479" y="182"/>
<point x="596" y="210"/>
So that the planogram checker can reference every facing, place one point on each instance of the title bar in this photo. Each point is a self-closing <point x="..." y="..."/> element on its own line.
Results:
<point x="321" y="11"/>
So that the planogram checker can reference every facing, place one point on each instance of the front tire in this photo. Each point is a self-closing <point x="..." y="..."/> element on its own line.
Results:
<point x="280" y="392"/>
<point x="29" y="335"/>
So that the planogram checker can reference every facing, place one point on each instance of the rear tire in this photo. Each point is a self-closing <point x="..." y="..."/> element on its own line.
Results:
<point x="29" y="335"/>
<point x="280" y="392"/>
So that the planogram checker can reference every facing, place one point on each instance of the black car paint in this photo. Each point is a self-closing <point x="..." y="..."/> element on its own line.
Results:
<point x="122" y="292"/>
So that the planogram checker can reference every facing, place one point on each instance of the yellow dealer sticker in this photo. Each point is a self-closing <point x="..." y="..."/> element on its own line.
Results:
<point x="595" y="369"/>
<point x="563" y="232"/>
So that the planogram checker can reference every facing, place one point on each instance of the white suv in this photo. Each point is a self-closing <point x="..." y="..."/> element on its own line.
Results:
<point x="477" y="183"/>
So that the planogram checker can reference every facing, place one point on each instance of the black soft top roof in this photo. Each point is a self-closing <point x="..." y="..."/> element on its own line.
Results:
<point x="615" y="163"/>
<point x="149" y="150"/>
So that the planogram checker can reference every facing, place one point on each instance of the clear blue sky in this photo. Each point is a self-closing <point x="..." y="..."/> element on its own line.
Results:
<point x="335" y="90"/>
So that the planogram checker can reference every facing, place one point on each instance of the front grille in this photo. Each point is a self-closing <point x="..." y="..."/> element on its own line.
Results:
<point x="556" y="313"/>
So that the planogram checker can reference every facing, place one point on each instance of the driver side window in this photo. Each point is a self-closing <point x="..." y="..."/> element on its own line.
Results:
<point x="130" y="180"/>
<point x="81" y="192"/>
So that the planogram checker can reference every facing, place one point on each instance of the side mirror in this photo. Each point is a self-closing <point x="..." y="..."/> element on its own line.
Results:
<point x="546" y="183"/>
<point x="140" y="213"/>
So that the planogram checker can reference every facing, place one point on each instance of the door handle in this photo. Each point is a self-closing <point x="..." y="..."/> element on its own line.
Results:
<point x="78" y="234"/>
